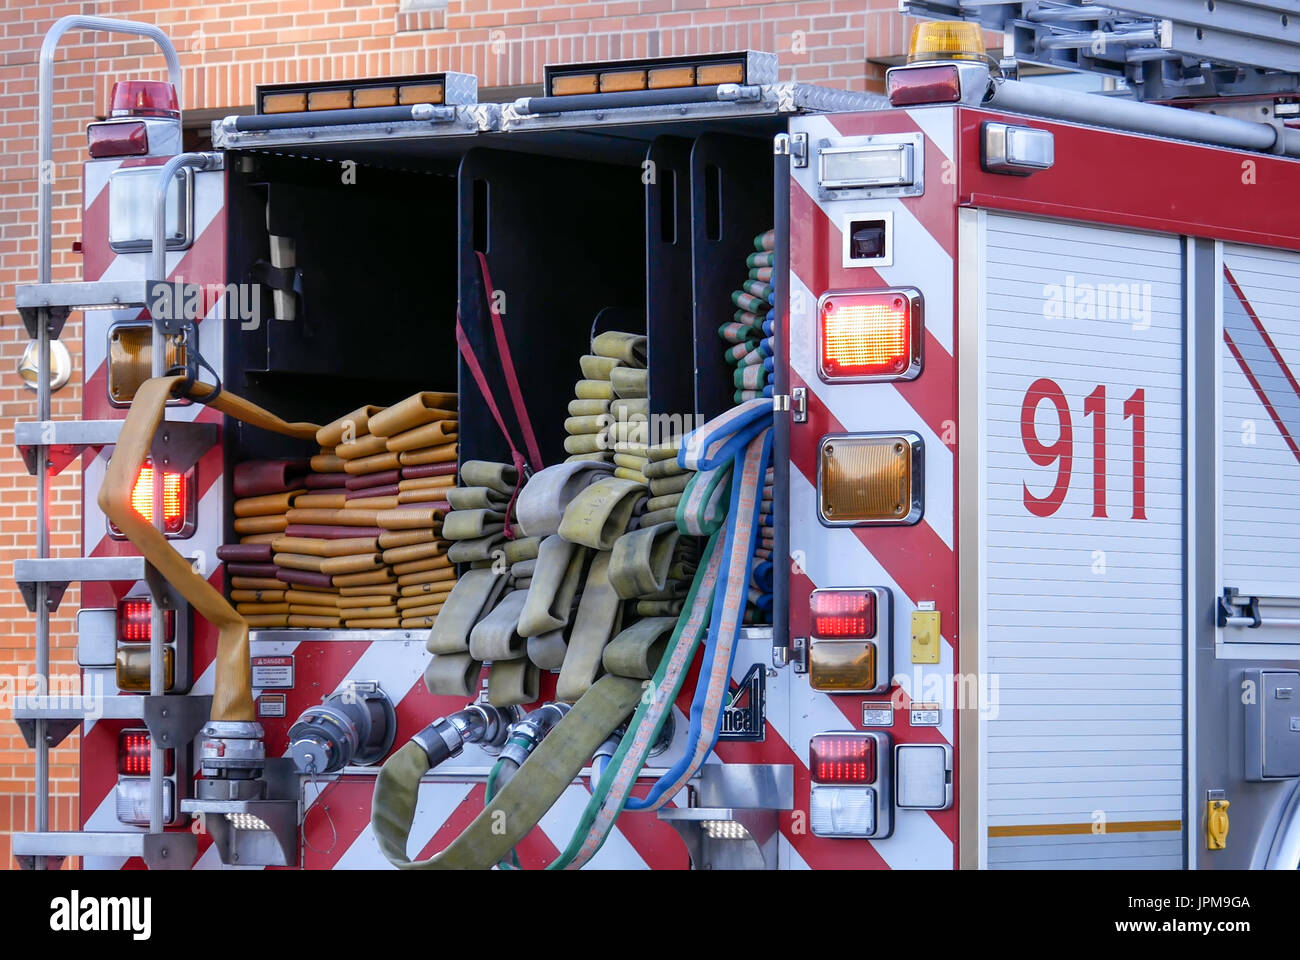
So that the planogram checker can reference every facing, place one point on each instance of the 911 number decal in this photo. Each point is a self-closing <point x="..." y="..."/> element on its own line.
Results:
<point x="1060" y="452"/>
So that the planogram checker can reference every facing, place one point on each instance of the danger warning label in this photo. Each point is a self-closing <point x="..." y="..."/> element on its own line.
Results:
<point x="272" y="673"/>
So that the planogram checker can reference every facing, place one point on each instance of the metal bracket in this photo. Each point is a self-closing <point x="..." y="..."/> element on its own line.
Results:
<point x="179" y="444"/>
<point x="793" y="145"/>
<point x="285" y="280"/>
<point x="174" y="721"/>
<point x="737" y="825"/>
<point x="54" y="590"/>
<point x="799" y="654"/>
<point x="254" y="831"/>
<point x="56" y="730"/>
<point x="799" y="405"/>
<point x="53" y="319"/>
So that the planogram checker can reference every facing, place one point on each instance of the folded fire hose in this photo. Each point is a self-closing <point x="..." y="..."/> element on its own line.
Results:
<point x="232" y="698"/>
<point x="739" y="443"/>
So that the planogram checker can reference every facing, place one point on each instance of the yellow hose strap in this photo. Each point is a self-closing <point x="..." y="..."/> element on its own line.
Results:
<point x="232" y="698"/>
<point x="521" y="803"/>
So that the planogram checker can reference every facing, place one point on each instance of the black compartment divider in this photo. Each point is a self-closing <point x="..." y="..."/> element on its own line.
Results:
<point x="669" y="324"/>
<point x="731" y="203"/>
<point x="564" y="240"/>
<point x="377" y="255"/>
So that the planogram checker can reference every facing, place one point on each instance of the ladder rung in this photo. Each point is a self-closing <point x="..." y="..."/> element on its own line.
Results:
<point x="67" y="843"/>
<point x="79" y="707"/>
<point x="82" y="295"/>
<point x="58" y="572"/>
<point x="77" y="569"/>
<point x="60" y="298"/>
<point x="160" y="851"/>
<point x="177" y="444"/>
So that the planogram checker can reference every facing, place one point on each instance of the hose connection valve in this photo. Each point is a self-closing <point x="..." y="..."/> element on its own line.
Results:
<point x="353" y="726"/>
<point x="527" y="733"/>
<point x="478" y="723"/>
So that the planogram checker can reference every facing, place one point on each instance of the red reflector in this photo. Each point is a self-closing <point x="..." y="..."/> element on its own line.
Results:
<point x="135" y="621"/>
<point x="133" y="758"/>
<point x="843" y="614"/>
<point x="175" y="493"/>
<point x="869" y="335"/>
<point x="930" y="84"/>
<point x="842" y="758"/>
<point x="118" y="139"/>
<point x="144" y="98"/>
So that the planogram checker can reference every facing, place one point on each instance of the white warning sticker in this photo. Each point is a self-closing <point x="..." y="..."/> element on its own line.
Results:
<point x="272" y="705"/>
<point x="272" y="673"/>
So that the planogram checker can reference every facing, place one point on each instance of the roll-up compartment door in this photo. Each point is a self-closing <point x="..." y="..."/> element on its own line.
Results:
<point x="1259" y="363"/>
<point x="1082" y="623"/>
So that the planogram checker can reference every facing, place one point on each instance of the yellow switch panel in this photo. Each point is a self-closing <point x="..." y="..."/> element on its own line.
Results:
<point x="925" y="636"/>
<point x="1216" y="824"/>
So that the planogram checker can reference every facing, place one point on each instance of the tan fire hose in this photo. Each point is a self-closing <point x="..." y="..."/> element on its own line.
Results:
<point x="232" y="698"/>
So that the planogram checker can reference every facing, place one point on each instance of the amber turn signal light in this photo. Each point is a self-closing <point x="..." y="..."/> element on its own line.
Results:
<point x="870" y="479"/>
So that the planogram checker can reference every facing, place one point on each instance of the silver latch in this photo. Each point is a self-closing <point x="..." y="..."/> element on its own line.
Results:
<point x="792" y="145"/>
<point x="799" y="404"/>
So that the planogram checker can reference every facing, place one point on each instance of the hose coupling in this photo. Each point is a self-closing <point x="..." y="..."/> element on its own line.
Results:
<point x="527" y="733"/>
<point x="478" y="723"/>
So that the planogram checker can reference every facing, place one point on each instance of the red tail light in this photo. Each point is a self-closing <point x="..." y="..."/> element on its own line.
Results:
<point x="871" y="336"/>
<point x="133" y="756"/>
<point x="843" y="614"/>
<point x="842" y="758"/>
<point x="144" y="98"/>
<point x="118" y="139"/>
<point x="932" y="84"/>
<point x="135" y="621"/>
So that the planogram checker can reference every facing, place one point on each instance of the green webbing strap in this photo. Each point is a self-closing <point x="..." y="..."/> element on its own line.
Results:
<point x="555" y="583"/>
<point x="452" y="675"/>
<point x="643" y="728"/>
<point x="513" y="812"/>
<point x="513" y="682"/>
<point x="600" y="514"/>
<point x="641" y="559"/>
<point x="595" y="622"/>
<point x="636" y="651"/>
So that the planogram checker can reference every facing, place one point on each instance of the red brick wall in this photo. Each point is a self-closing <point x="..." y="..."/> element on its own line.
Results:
<point x="227" y="49"/>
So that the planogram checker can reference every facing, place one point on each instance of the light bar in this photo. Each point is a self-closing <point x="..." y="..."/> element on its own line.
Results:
<point x="434" y="88"/>
<point x="660" y="73"/>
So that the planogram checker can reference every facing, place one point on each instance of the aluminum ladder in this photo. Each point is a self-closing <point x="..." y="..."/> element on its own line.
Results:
<point x="1164" y="49"/>
<point x="47" y="447"/>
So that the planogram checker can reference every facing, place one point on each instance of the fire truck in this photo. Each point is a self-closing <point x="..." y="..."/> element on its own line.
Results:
<point x="1033" y="424"/>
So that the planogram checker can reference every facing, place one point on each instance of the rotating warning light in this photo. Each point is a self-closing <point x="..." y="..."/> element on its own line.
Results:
<point x="144" y="98"/>
<point x="870" y="335"/>
<point x="946" y="40"/>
